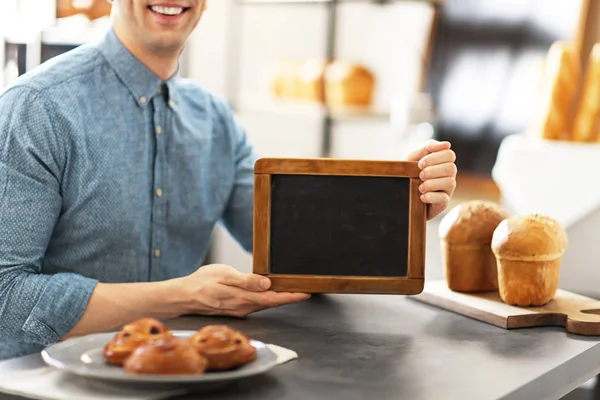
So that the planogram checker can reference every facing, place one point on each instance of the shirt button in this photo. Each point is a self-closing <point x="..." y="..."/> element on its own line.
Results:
<point x="172" y="103"/>
<point x="158" y="130"/>
<point x="157" y="253"/>
<point x="159" y="192"/>
<point x="143" y="99"/>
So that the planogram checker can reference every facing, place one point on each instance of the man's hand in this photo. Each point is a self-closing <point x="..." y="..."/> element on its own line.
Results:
<point x="438" y="173"/>
<point x="211" y="290"/>
<point x="219" y="289"/>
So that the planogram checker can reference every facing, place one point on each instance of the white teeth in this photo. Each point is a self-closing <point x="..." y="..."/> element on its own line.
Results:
<point x="167" y="10"/>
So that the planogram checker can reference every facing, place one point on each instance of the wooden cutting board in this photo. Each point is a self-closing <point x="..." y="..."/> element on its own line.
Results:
<point x="577" y="314"/>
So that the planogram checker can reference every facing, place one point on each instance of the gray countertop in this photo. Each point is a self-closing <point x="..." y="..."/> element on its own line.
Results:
<point x="392" y="347"/>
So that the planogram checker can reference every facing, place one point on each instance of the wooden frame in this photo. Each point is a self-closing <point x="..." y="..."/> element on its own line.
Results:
<point x="413" y="283"/>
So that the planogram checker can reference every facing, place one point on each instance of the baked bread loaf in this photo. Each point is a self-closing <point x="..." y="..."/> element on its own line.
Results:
<point x="311" y="81"/>
<point x="167" y="355"/>
<point x="131" y="336"/>
<point x="65" y="8"/>
<point x="466" y="235"/>
<point x="284" y="79"/>
<point x="348" y="85"/>
<point x="92" y="9"/>
<point x="560" y="83"/>
<point x="99" y="9"/>
<point x="224" y="348"/>
<point x="529" y="250"/>
<point x="585" y="126"/>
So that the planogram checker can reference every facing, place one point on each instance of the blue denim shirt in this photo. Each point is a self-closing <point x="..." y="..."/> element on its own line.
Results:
<point x="108" y="174"/>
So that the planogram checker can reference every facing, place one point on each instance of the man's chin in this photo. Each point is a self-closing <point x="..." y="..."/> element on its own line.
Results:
<point x="168" y="42"/>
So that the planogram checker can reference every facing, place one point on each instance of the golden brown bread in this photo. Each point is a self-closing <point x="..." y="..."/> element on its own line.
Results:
<point x="284" y="82"/>
<point x="92" y="10"/>
<point x="348" y="84"/>
<point x="529" y="250"/>
<point x="224" y="348"/>
<point x="466" y="235"/>
<point x="166" y="355"/>
<point x="585" y="126"/>
<point x="562" y="76"/>
<point x="99" y="9"/>
<point x="311" y="80"/>
<point x="65" y="8"/>
<point x="131" y="336"/>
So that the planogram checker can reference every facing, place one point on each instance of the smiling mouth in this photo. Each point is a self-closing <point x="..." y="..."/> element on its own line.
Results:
<point x="168" y="11"/>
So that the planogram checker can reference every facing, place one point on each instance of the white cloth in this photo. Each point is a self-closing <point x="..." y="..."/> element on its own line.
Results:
<point x="47" y="383"/>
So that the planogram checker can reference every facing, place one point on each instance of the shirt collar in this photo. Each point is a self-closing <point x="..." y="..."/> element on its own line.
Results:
<point x="141" y="81"/>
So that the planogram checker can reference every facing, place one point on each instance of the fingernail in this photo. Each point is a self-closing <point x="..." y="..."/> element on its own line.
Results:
<point x="422" y="188"/>
<point x="264" y="283"/>
<point x="422" y="164"/>
<point x="423" y="198"/>
<point x="422" y="176"/>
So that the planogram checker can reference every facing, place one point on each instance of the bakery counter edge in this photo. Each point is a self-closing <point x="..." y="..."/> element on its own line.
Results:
<point x="389" y="347"/>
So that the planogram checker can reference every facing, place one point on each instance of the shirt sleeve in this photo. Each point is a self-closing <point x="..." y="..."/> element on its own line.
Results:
<point x="239" y="213"/>
<point x="35" y="308"/>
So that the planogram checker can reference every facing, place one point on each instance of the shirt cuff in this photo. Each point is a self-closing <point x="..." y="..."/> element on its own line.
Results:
<point x="64" y="298"/>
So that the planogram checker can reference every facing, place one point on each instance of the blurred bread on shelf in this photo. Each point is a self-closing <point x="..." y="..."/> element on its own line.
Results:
<point x="310" y="80"/>
<point x="283" y="82"/>
<point x="92" y="9"/>
<point x="559" y="87"/>
<point x="99" y="9"/>
<point x="585" y="125"/>
<point x="340" y="84"/>
<point x="348" y="84"/>
<point x="64" y="9"/>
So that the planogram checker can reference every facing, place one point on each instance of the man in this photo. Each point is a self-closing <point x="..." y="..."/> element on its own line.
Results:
<point x="113" y="174"/>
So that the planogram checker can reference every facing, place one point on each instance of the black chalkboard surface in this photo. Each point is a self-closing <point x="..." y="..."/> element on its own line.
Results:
<point x="339" y="225"/>
<point x="324" y="225"/>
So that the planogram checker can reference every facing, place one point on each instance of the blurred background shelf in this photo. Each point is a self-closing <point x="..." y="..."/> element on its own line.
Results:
<point x="34" y="31"/>
<point x="272" y="105"/>
<point x="71" y="31"/>
<point x="331" y="34"/>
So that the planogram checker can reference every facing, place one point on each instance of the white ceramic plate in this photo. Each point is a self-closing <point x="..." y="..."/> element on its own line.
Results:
<point x="83" y="356"/>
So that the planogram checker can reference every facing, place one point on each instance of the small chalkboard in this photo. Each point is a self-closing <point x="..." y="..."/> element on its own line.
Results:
<point x="339" y="226"/>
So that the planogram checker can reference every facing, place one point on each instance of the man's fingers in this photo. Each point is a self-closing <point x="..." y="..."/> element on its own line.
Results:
<point x="417" y="154"/>
<point x="439" y="199"/>
<point x="446" y="185"/>
<point x="439" y="157"/>
<point x="431" y="146"/>
<point x="251" y="282"/>
<point x="281" y="298"/>
<point x="439" y="171"/>
<point x="274" y="299"/>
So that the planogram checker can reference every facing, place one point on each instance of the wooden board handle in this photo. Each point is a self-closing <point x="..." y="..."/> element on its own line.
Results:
<point x="578" y="314"/>
<point x="579" y="323"/>
<point x="584" y="322"/>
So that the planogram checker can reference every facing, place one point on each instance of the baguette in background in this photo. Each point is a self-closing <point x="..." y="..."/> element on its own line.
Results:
<point x="585" y="126"/>
<point x="560" y="84"/>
